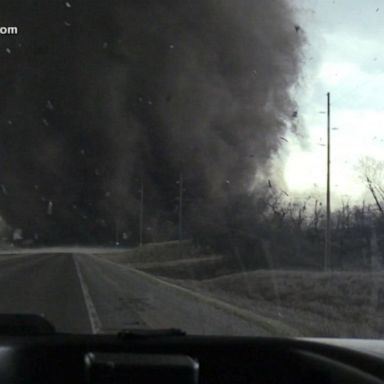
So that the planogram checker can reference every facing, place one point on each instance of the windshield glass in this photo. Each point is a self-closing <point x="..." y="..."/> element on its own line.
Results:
<point x="213" y="166"/>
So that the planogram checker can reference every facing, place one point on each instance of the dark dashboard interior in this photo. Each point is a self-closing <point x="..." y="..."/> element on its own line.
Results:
<point x="32" y="352"/>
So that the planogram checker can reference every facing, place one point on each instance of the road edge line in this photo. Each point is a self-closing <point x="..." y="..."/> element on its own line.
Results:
<point x="268" y="324"/>
<point x="91" y="309"/>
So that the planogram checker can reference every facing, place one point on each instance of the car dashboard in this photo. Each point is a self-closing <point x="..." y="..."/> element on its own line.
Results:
<point x="128" y="358"/>
<point x="31" y="351"/>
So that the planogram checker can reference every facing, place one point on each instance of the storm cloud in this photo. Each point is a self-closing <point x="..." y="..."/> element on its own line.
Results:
<point x="101" y="97"/>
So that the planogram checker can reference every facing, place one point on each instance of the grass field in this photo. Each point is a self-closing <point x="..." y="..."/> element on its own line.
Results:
<point x="319" y="304"/>
<point x="322" y="304"/>
<point x="157" y="252"/>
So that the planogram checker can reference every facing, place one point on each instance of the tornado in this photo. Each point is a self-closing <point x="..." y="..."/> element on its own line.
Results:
<point x="103" y="101"/>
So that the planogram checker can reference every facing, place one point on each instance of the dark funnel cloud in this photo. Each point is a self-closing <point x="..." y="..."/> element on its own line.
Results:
<point x="101" y="97"/>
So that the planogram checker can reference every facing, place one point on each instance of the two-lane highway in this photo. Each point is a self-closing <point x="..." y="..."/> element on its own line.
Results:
<point x="83" y="293"/>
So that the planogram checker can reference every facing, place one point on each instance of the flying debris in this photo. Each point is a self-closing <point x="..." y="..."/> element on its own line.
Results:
<point x="50" y="208"/>
<point x="283" y="138"/>
<point x="4" y="189"/>
<point x="377" y="9"/>
<point x="297" y="28"/>
<point x="269" y="184"/>
<point x="45" y="122"/>
<point x="285" y="193"/>
<point x="50" y="105"/>
<point x="68" y="4"/>
<point x="8" y="51"/>
<point x="294" y="114"/>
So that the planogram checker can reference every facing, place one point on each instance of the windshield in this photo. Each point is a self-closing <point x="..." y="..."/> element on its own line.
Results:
<point x="213" y="166"/>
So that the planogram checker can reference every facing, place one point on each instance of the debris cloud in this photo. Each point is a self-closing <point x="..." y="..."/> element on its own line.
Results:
<point x="104" y="96"/>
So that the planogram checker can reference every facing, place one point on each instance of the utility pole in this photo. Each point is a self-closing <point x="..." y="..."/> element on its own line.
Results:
<point x="116" y="232"/>
<point x="141" y="215"/>
<point x="181" y="187"/>
<point x="327" y="250"/>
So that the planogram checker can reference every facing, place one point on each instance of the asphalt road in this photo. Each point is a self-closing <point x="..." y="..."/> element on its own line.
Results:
<point x="84" y="293"/>
<point x="44" y="284"/>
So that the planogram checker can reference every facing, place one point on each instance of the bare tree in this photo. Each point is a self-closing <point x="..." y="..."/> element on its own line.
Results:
<point x="371" y="171"/>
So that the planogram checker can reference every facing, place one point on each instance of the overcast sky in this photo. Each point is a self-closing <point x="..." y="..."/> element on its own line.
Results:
<point x="345" y="56"/>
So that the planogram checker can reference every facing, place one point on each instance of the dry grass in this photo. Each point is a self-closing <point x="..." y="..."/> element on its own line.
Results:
<point x="319" y="304"/>
<point x="156" y="252"/>
<point x="332" y="304"/>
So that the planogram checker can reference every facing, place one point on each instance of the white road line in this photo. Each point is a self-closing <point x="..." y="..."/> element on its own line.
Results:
<point x="92" y="314"/>
<point x="270" y="325"/>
